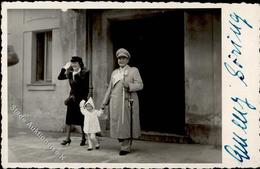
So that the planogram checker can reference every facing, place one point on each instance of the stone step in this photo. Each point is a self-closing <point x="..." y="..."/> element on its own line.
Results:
<point x="160" y="137"/>
<point x="165" y="137"/>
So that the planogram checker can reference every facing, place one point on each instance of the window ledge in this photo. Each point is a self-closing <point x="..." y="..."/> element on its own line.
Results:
<point x="41" y="87"/>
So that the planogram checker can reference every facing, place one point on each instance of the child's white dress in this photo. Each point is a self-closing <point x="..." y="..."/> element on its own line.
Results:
<point x="91" y="122"/>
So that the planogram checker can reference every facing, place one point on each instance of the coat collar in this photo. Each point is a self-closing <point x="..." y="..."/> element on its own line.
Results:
<point x="127" y="67"/>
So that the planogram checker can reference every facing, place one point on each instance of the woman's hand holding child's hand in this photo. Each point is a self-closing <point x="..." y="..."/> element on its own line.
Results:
<point x="104" y="116"/>
<point x="102" y="107"/>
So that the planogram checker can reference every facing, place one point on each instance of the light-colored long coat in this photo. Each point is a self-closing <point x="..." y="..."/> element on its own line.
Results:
<point x="114" y="97"/>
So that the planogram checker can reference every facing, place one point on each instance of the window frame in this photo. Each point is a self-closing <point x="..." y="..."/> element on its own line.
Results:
<point x="46" y="56"/>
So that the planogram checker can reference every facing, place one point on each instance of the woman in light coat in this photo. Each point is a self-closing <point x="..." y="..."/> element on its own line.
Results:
<point x="125" y="82"/>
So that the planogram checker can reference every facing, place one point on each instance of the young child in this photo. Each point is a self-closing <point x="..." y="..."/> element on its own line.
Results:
<point x="91" y="122"/>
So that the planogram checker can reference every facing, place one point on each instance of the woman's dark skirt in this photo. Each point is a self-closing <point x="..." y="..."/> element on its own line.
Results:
<point x="74" y="115"/>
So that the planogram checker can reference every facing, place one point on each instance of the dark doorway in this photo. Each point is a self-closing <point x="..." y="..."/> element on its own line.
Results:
<point x="156" y="44"/>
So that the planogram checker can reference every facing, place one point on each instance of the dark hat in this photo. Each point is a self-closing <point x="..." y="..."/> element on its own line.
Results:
<point x="76" y="59"/>
<point x="122" y="53"/>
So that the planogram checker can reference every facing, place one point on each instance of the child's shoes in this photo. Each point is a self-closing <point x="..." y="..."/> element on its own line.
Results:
<point x="97" y="147"/>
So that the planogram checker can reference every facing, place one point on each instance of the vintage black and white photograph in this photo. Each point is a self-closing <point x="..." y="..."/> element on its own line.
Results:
<point x="114" y="85"/>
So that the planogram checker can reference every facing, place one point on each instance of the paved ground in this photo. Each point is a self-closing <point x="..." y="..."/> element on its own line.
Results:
<point x="25" y="146"/>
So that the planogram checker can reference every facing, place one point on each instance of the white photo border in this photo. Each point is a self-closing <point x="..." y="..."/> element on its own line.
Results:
<point x="232" y="86"/>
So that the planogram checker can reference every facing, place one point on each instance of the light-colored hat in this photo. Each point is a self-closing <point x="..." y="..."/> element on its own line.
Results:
<point x="90" y="101"/>
<point x="123" y="53"/>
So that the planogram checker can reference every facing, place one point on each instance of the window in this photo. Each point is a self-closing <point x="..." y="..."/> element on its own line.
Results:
<point x="43" y="57"/>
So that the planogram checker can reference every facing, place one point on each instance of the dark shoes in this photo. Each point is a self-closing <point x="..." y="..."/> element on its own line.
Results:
<point x="89" y="149"/>
<point x="122" y="152"/>
<point x="83" y="142"/>
<point x="64" y="142"/>
<point x="97" y="147"/>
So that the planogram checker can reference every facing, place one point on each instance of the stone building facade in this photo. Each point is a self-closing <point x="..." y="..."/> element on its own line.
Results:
<point x="191" y="77"/>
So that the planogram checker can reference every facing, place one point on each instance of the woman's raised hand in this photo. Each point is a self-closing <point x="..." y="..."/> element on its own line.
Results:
<point x="67" y="65"/>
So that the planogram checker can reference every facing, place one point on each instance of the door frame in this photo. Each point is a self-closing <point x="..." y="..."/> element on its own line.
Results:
<point x="102" y="21"/>
<point x="110" y="16"/>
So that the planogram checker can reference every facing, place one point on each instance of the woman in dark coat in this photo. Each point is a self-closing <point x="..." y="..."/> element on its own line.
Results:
<point x="78" y="77"/>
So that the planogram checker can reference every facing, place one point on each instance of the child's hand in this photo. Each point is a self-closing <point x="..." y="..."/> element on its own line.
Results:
<point x="81" y="104"/>
<point x="102" y="114"/>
